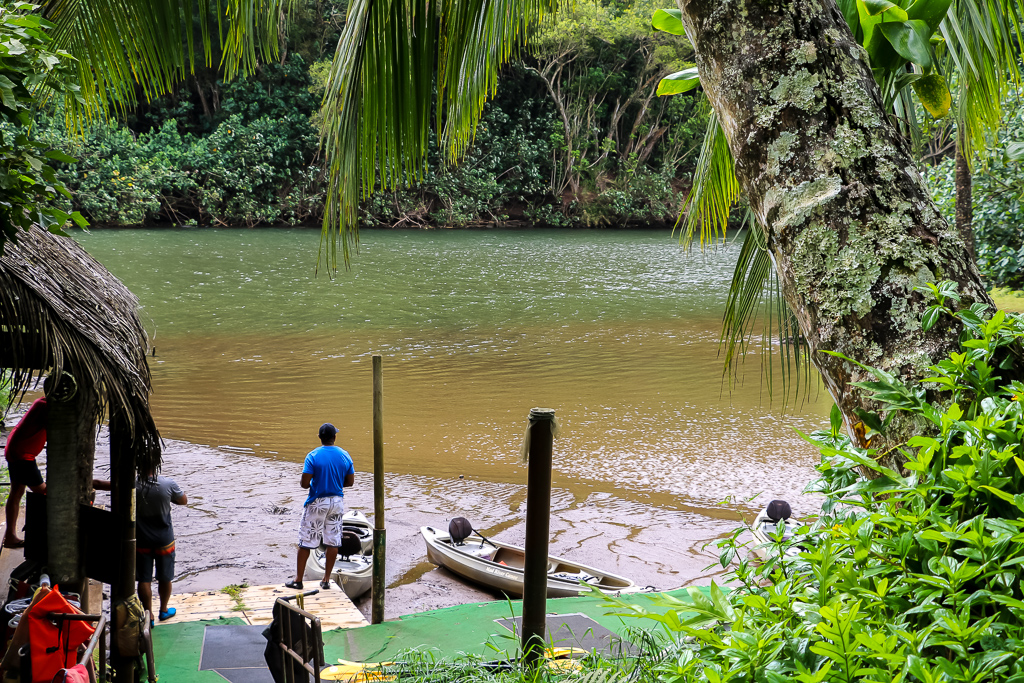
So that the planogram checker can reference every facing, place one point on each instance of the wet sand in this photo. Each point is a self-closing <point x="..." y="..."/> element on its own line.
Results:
<point x="241" y="522"/>
<point x="243" y="514"/>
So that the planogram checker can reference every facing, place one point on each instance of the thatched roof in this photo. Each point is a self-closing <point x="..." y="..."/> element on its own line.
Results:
<point x="62" y="311"/>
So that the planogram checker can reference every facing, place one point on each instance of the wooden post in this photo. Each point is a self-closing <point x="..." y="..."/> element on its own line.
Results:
<point x="122" y="498"/>
<point x="70" y="448"/>
<point x="379" y="534"/>
<point x="538" y="514"/>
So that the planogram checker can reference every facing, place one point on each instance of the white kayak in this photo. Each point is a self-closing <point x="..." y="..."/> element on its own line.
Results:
<point x="500" y="566"/>
<point x="767" y="525"/>
<point x="354" y="573"/>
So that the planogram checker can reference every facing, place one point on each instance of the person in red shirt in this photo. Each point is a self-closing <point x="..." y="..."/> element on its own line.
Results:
<point x="25" y="442"/>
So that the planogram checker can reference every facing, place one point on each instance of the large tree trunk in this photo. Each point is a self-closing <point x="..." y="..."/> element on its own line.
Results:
<point x="849" y="222"/>
<point x="964" y="201"/>
<point x="70" y="451"/>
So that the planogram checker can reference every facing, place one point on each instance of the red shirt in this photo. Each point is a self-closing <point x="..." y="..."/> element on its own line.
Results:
<point x="29" y="436"/>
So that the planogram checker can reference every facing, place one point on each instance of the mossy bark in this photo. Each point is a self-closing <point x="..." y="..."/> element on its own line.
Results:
<point x="849" y="222"/>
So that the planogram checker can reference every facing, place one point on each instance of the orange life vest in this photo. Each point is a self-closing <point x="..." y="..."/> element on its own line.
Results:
<point x="54" y="647"/>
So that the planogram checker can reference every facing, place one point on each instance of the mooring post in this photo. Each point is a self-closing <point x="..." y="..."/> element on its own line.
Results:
<point x="122" y="498"/>
<point x="538" y="514"/>
<point x="379" y="534"/>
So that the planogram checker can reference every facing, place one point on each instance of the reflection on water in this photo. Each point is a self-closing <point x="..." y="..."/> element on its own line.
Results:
<point x="617" y="331"/>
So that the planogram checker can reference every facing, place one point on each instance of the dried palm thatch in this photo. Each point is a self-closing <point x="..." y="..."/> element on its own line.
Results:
<point x="62" y="311"/>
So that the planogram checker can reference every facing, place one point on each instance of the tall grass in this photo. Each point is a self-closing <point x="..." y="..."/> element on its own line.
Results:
<point x="651" y="660"/>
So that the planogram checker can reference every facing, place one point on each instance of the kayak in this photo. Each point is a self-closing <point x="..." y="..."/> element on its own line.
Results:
<point x="765" y="528"/>
<point x="500" y="566"/>
<point x="354" y="573"/>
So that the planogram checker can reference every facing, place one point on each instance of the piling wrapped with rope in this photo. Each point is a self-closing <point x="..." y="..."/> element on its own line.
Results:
<point x="62" y="312"/>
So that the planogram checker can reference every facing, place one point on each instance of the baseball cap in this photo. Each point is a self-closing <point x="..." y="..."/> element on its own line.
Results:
<point x="327" y="430"/>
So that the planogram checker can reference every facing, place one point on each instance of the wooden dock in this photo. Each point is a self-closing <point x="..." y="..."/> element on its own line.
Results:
<point x="256" y="603"/>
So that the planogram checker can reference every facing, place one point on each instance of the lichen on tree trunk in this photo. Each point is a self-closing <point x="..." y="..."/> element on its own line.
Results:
<point x="849" y="223"/>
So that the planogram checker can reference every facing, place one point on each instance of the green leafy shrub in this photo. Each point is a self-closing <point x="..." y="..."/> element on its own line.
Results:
<point x="30" y="71"/>
<point x="997" y="193"/>
<point x="998" y="216"/>
<point x="243" y="173"/>
<point x="905" y="576"/>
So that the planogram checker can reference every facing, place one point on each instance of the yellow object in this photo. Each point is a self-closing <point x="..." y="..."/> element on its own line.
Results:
<point x="561" y="658"/>
<point x="357" y="672"/>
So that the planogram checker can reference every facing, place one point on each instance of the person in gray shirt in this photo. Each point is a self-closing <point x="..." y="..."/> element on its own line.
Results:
<point x="155" y="539"/>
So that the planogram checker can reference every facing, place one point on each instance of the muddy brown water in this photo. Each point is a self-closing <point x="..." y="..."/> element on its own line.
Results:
<point x="617" y="331"/>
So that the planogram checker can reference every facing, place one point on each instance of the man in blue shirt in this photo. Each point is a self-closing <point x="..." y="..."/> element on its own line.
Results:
<point x="328" y="470"/>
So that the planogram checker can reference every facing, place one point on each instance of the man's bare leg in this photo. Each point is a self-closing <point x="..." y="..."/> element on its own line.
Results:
<point x="11" y="511"/>
<point x="300" y="567"/>
<point x="329" y="557"/>
<point x="146" y="596"/>
<point x="165" y="594"/>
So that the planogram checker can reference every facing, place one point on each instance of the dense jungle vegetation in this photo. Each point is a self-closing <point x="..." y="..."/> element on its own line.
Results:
<point x="575" y="136"/>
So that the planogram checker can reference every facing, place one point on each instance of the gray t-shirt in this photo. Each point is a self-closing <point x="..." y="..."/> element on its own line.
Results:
<point x="153" y="511"/>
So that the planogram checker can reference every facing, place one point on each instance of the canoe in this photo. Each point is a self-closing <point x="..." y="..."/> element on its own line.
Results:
<point x="766" y="526"/>
<point x="354" y="574"/>
<point x="500" y="566"/>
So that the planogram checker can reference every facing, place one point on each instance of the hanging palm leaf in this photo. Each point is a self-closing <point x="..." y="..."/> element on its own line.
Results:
<point x="715" y="189"/>
<point x="393" y="56"/>
<point x="755" y="304"/>
<point x="124" y="46"/>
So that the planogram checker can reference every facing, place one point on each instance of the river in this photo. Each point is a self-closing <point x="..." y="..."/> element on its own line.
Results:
<point x="615" y="330"/>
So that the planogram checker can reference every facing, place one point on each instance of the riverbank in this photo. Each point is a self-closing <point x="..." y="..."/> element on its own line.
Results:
<point x="243" y="513"/>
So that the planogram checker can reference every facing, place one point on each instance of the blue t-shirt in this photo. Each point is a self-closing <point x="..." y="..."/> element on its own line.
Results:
<point x="329" y="466"/>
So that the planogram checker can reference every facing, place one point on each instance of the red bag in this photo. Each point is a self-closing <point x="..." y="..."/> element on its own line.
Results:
<point x="76" y="674"/>
<point x="54" y="648"/>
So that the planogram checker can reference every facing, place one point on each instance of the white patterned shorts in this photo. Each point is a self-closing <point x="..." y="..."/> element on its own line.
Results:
<point x="321" y="522"/>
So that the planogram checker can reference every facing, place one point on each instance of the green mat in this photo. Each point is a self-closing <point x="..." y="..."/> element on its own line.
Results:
<point x="463" y="629"/>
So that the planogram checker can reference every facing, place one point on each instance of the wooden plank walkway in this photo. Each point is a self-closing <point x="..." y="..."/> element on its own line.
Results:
<point x="257" y="602"/>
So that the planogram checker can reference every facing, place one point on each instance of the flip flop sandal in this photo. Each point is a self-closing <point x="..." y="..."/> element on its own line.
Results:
<point x="297" y="585"/>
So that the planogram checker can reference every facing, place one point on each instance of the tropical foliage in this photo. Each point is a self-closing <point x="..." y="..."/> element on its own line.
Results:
<point x="998" y="192"/>
<point x="904" y="576"/>
<point x="30" y="68"/>
<point x="914" y="46"/>
<point x="245" y="152"/>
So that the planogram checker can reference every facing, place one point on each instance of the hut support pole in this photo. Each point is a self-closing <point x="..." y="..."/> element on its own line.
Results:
<point x="379" y="534"/>
<point x="70" y="451"/>
<point x="123" y="475"/>
<point x="538" y="515"/>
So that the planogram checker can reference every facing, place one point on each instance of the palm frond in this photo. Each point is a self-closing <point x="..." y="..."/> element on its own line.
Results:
<point x="755" y="300"/>
<point x="980" y="46"/>
<point x="714" y="192"/>
<point x="124" y="46"/>
<point x="392" y="58"/>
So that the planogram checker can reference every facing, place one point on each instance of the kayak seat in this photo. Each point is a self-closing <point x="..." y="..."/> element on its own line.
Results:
<point x="350" y="545"/>
<point x="459" y="530"/>
<point x="778" y="510"/>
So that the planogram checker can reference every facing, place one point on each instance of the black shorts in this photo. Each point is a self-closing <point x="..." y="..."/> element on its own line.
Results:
<point x="144" y="563"/>
<point x="25" y="472"/>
